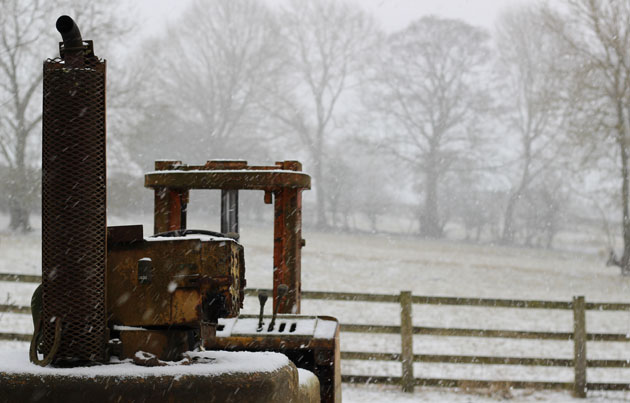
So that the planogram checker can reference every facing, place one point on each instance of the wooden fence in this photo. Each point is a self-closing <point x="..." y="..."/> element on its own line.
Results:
<point x="407" y="330"/>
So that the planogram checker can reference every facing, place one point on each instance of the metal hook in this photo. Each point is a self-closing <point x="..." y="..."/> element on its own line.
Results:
<point x="37" y="335"/>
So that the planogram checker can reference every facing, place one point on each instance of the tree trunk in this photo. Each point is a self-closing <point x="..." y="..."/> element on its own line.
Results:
<point x="19" y="217"/>
<point x="19" y="211"/>
<point x="625" y="196"/>
<point x="622" y="142"/>
<point x="346" y="221"/>
<point x="550" y="235"/>
<point x="320" y="194"/>
<point x="373" y="217"/>
<point x="429" y="217"/>
<point x="509" y="229"/>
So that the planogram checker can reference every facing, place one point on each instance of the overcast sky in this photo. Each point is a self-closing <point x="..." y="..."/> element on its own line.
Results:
<point x="392" y="14"/>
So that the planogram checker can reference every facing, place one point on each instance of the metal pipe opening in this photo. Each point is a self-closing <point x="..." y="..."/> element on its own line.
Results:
<point x="69" y="31"/>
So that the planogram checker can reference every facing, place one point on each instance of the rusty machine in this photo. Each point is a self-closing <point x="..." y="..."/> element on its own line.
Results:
<point x="311" y="342"/>
<point x="176" y="284"/>
<point x="111" y="291"/>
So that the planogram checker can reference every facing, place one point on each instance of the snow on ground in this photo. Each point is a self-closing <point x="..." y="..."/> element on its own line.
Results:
<point x="381" y="393"/>
<point x="212" y="363"/>
<point x="388" y="264"/>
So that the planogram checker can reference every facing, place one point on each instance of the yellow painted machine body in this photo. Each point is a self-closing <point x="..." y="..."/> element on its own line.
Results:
<point x="173" y="282"/>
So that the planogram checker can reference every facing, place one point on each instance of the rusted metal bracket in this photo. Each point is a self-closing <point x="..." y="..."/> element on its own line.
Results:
<point x="282" y="182"/>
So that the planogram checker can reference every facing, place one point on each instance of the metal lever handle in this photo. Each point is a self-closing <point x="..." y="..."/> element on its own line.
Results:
<point x="282" y="291"/>
<point x="262" y="298"/>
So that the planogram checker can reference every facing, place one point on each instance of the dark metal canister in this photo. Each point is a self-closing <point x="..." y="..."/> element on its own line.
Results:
<point x="74" y="227"/>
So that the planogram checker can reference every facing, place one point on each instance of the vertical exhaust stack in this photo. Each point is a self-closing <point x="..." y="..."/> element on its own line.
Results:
<point x="74" y="225"/>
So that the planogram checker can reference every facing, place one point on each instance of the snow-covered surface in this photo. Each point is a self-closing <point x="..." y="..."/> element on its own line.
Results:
<point x="225" y="171"/>
<point x="389" y="264"/>
<point x="306" y="376"/>
<point x="325" y="329"/>
<point x="301" y="325"/>
<point x="129" y="328"/>
<point x="208" y="363"/>
<point x="201" y="237"/>
<point x="386" y="393"/>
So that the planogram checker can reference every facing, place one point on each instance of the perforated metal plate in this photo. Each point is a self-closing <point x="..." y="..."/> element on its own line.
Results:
<point x="74" y="228"/>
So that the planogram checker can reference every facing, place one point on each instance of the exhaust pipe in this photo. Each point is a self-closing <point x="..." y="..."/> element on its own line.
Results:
<point x="72" y="49"/>
<point x="70" y="33"/>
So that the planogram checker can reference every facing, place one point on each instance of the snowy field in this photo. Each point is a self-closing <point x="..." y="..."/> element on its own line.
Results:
<point x="387" y="264"/>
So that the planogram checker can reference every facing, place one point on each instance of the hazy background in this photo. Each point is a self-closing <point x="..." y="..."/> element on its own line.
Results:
<point x="483" y="121"/>
<point x="390" y="14"/>
<point x="457" y="148"/>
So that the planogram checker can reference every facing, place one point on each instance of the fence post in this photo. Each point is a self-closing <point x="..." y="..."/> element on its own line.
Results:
<point x="579" y="352"/>
<point x="406" y="334"/>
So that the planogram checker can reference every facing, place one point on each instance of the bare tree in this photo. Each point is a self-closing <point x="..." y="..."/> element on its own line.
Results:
<point x="531" y="97"/>
<point x="544" y="209"/>
<point x="360" y="182"/>
<point x="21" y="24"/>
<point x="26" y="35"/>
<point x="427" y="92"/>
<point x="326" y="40"/>
<point x="468" y="200"/>
<point x="210" y="74"/>
<point x="596" y="39"/>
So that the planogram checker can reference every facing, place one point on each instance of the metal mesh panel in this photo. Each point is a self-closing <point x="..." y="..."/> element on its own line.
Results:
<point x="74" y="228"/>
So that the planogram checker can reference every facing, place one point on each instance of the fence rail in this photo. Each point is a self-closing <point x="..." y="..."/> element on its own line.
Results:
<point x="20" y="278"/>
<point x="406" y="330"/>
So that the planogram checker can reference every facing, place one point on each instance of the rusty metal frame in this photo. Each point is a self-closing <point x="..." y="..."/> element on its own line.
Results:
<point x="283" y="183"/>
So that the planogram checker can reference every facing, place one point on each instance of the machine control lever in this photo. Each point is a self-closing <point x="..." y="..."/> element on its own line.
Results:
<point x="262" y="298"/>
<point x="282" y="291"/>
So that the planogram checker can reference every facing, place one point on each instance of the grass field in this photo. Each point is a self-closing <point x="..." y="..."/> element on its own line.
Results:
<point x="389" y="264"/>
